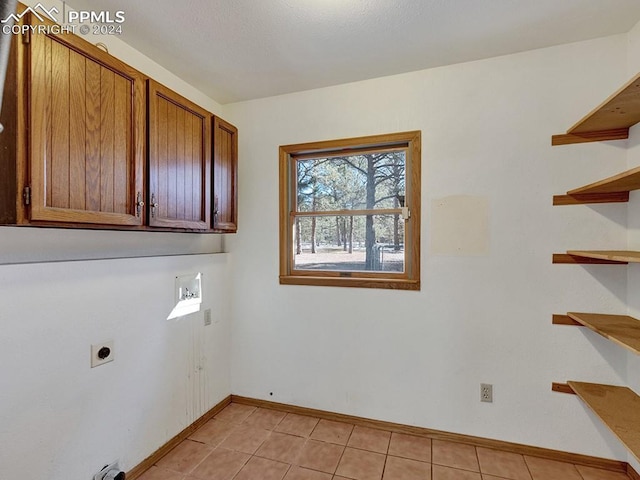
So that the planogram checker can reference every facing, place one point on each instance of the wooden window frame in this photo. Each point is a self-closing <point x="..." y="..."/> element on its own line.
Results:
<point x="289" y="154"/>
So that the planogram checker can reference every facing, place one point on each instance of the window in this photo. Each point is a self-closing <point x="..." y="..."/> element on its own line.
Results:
<point x="350" y="212"/>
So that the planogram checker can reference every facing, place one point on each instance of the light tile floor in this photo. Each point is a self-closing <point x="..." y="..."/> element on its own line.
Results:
<point x="249" y="443"/>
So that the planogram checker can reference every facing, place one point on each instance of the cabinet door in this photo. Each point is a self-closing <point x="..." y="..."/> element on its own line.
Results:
<point x="87" y="120"/>
<point x="225" y="176"/>
<point x="179" y="161"/>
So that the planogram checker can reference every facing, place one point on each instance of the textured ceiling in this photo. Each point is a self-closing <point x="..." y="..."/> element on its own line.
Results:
<point x="237" y="50"/>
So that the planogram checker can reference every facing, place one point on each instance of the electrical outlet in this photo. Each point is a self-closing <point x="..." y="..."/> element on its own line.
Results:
<point x="101" y="353"/>
<point x="207" y="317"/>
<point x="486" y="392"/>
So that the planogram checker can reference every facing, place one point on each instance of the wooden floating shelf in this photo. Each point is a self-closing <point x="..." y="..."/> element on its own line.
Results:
<point x="624" y="256"/>
<point x="609" y="190"/>
<point x="622" y="182"/>
<point x="573" y="257"/>
<point x="611" y="120"/>
<point x="620" y="329"/>
<point x="617" y="407"/>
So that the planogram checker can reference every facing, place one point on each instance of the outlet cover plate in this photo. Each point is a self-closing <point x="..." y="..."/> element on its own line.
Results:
<point x="486" y="392"/>
<point x="96" y="361"/>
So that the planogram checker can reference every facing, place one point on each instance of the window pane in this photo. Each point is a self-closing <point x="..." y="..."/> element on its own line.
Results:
<point x="357" y="182"/>
<point x="349" y="243"/>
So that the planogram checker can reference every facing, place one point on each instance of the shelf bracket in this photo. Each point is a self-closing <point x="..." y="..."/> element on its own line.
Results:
<point x="562" y="388"/>
<point x="581" y="199"/>
<point x="564" y="320"/>
<point x="599" y="136"/>
<point x="574" y="259"/>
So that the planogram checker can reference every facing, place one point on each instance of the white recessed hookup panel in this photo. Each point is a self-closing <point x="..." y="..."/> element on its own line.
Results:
<point x="188" y="295"/>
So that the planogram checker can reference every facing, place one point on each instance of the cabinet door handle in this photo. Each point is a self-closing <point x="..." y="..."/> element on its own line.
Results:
<point x="153" y="205"/>
<point x="139" y="204"/>
<point x="215" y="209"/>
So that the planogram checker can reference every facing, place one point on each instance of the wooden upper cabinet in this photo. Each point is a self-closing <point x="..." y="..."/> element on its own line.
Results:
<point x="90" y="142"/>
<point x="225" y="176"/>
<point x="87" y="134"/>
<point x="179" y="161"/>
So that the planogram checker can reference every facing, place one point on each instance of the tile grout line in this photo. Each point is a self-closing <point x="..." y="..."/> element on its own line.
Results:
<point x="431" y="457"/>
<point x="199" y="463"/>
<point x="456" y="467"/>
<point x="227" y="436"/>
<point x="253" y="454"/>
<point x="243" y="465"/>
<point x="353" y="427"/>
<point x="475" y="449"/>
<point x="578" y="471"/>
<point x="386" y="456"/>
<point x="527" y="465"/>
<point x="384" y="466"/>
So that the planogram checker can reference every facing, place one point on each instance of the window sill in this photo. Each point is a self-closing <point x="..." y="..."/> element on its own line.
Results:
<point x="400" y="284"/>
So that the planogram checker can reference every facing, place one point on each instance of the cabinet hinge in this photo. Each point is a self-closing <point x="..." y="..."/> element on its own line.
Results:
<point x="26" y="194"/>
<point x="26" y="36"/>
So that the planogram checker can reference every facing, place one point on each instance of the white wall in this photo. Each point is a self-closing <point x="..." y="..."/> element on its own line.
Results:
<point x="419" y="357"/>
<point x="60" y="419"/>
<point x="410" y="357"/>
<point x="633" y="287"/>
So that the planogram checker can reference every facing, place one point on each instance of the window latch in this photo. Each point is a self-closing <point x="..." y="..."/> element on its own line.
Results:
<point x="406" y="214"/>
